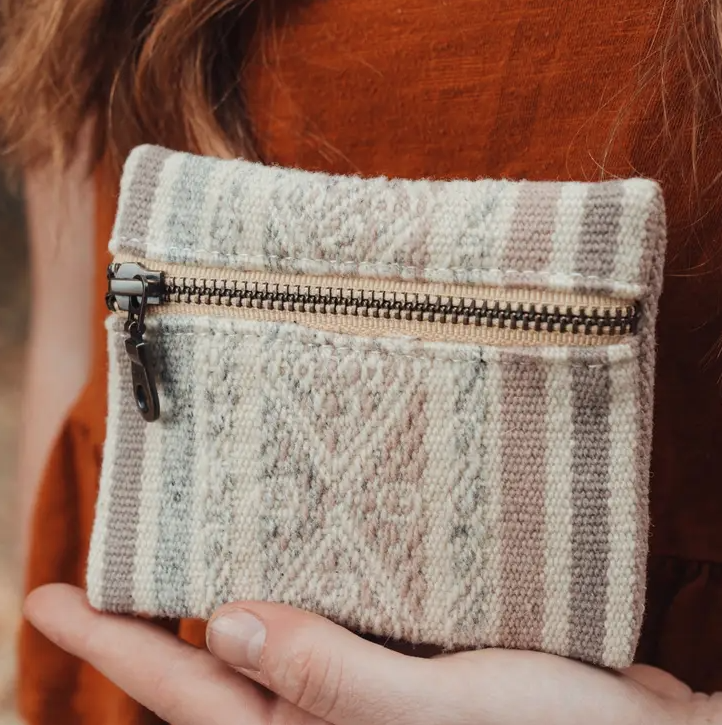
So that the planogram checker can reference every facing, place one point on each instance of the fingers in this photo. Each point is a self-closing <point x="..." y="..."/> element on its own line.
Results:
<point x="659" y="682"/>
<point x="180" y="683"/>
<point x="322" y="668"/>
<point x="344" y="680"/>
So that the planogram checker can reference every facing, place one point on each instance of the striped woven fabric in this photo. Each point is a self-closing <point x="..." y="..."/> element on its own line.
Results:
<point x="451" y="494"/>
<point x="190" y="209"/>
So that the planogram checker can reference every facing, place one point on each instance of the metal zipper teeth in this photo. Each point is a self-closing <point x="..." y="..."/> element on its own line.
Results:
<point x="136" y="290"/>
<point x="414" y="307"/>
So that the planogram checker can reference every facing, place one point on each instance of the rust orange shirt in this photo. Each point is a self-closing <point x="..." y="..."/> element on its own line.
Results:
<point x="537" y="89"/>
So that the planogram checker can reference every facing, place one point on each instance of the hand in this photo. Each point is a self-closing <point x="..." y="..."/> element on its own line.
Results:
<point x="319" y="673"/>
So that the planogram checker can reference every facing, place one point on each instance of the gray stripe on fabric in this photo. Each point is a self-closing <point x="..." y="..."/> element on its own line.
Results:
<point x="122" y="533"/>
<point x="469" y="494"/>
<point x="591" y="390"/>
<point x="524" y="414"/>
<point x="175" y="508"/>
<point x="599" y="238"/>
<point x="532" y="230"/>
<point x="179" y="380"/>
<point x="137" y="207"/>
<point x="188" y="196"/>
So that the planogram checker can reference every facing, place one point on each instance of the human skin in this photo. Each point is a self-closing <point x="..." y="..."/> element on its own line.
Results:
<point x="59" y="205"/>
<point x="314" y="672"/>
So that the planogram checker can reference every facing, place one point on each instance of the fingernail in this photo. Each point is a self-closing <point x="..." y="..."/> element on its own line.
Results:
<point x="237" y="638"/>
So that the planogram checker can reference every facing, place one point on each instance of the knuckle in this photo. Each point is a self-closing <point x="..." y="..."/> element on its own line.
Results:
<point x="314" y="681"/>
<point x="282" y="712"/>
<point x="97" y="648"/>
<point x="93" y="646"/>
<point x="706" y="708"/>
<point x="174" y="701"/>
<point x="165" y="690"/>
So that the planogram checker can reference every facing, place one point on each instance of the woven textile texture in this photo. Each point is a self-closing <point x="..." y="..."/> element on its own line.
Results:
<point x="457" y="495"/>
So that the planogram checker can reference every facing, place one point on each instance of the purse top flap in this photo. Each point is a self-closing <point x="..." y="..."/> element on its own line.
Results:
<point x="605" y="237"/>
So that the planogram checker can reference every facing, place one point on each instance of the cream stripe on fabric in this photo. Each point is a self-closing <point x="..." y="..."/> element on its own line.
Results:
<point x="636" y="206"/>
<point x="442" y="471"/>
<point x="205" y="483"/>
<point x="217" y="187"/>
<point x="567" y="228"/>
<point x="144" y="589"/>
<point x="499" y="226"/>
<point x="558" y="506"/>
<point x="102" y="523"/>
<point x="490" y="627"/>
<point x="247" y="496"/>
<point x="163" y="207"/>
<point x="623" y="507"/>
<point x="230" y="431"/>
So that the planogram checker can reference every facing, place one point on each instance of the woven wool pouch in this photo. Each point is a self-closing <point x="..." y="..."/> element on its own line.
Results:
<point x="419" y="408"/>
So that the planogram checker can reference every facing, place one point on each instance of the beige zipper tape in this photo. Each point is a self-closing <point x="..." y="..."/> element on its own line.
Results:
<point x="478" y="292"/>
<point x="381" y="327"/>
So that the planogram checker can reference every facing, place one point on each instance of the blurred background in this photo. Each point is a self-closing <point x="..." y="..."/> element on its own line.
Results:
<point x="14" y="314"/>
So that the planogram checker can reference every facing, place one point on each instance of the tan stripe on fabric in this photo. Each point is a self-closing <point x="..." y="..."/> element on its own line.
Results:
<point x="529" y="246"/>
<point x="126" y="482"/>
<point x="558" y="505"/>
<point x="523" y="418"/>
<point x="599" y="239"/>
<point x="590" y="496"/>
<point x="138" y="198"/>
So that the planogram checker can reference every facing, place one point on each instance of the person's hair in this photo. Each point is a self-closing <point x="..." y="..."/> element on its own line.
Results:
<point x="146" y="71"/>
<point x="167" y="72"/>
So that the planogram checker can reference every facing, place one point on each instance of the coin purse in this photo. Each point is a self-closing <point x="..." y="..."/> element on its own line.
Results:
<point x="421" y="409"/>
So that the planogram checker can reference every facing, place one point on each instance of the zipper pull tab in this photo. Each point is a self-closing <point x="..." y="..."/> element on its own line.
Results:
<point x="145" y="391"/>
<point x="132" y="287"/>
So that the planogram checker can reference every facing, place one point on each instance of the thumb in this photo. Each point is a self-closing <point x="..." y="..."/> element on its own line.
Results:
<point x="322" y="668"/>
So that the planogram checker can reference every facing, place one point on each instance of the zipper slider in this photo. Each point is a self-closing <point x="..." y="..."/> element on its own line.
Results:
<point x="131" y="288"/>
